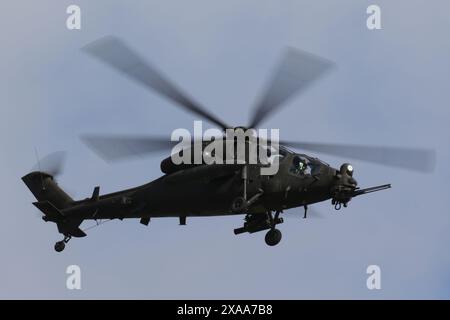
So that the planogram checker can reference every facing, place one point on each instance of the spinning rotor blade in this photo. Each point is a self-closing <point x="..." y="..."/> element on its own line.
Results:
<point x="53" y="163"/>
<point x="296" y="71"/>
<point x="115" y="148"/>
<point x="116" y="54"/>
<point x="312" y="214"/>
<point x="422" y="160"/>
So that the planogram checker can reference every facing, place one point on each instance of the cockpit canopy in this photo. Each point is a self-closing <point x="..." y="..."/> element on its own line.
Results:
<point x="303" y="165"/>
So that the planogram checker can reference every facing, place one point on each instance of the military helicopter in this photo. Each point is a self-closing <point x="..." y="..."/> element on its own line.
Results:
<point x="215" y="189"/>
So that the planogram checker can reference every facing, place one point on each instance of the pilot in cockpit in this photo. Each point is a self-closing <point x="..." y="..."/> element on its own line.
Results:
<point x="299" y="166"/>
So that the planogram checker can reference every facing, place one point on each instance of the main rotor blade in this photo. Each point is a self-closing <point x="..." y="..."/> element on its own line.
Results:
<point x="295" y="214"/>
<point x="296" y="71"/>
<point x="422" y="160"/>
<point x="116" y="148"/>
<point x="116" y="54"/>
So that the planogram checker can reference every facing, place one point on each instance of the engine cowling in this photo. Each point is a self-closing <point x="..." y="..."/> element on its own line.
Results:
<point x="168" y="167"/>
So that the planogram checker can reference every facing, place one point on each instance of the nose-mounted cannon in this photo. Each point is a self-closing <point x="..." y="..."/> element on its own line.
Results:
<point x="345" y="186"/>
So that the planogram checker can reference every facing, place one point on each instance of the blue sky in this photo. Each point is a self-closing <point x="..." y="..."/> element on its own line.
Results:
<point x="390" y="88"/>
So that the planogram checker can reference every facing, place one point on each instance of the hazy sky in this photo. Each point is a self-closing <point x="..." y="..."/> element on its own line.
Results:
<point x="390" y="88"/>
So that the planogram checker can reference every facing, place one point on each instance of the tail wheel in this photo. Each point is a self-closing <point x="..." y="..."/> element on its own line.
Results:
<point x="59" y="246"/>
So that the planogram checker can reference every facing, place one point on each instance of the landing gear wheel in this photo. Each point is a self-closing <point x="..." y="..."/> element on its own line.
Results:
<point x="238" y="205"/>
<point x="273" y="237"/>
<point x="59" y="246"/>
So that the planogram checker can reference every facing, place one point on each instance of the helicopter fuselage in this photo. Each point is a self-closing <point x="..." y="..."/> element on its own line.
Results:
<point x="209" y="190"/>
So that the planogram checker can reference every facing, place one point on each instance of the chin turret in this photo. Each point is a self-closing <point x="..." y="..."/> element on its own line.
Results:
<point x="344" y="187"/>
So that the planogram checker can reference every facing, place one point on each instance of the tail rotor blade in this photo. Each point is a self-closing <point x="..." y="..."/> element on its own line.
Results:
<point x="312" y="214"/>
<point x="53" y="163"/>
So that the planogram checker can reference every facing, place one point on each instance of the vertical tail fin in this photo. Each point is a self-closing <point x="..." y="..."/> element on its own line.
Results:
<point x="44" y="188"/>
<point x="51" y="201"/>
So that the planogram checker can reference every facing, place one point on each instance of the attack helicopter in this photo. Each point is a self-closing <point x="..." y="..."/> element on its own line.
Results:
<point x="216" y="189"/>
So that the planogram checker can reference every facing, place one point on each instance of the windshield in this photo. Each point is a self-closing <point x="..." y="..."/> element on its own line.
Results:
<point x="300" y="166"/>
<point x="303" y="165"/>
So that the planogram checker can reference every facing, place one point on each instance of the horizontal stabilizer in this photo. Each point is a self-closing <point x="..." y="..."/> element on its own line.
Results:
<point x="71" y="228"/>
<point x="66" y="227"/>
<point x="51" y="212"/>
<point x="77" y="233"/>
